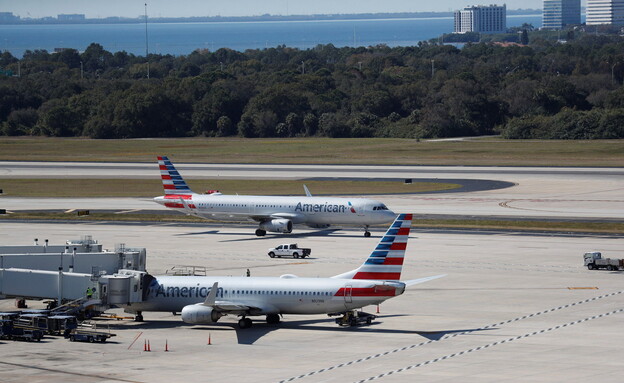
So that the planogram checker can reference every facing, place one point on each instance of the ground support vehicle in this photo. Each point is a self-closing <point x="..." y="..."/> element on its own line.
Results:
<point x="61" y="324"/>
<point x="24" y="331"/>
<point x="593" y="260"/>
<point x="289" y="250"/>
<point x="354" y="318"/>
<point x="88" y="333"/>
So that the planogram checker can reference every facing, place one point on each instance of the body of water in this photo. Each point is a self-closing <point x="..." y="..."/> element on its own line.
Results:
<point x="184" y="38"/>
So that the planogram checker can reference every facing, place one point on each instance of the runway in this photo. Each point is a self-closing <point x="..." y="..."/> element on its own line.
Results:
<point x="536" y="192"/>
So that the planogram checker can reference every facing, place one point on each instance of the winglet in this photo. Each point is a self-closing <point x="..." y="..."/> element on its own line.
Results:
<point x="212" y="295"/>
<point x="307" y="191"/>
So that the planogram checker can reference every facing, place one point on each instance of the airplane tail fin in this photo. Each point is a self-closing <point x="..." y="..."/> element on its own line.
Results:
<point x="386" y="261"/>
<point x="173" y="183"/>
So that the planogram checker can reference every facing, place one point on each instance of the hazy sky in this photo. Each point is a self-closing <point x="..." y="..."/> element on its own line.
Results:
<point x="158" y="8"/>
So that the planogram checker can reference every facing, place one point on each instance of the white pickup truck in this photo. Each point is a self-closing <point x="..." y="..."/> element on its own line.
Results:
<point x="289" y="250"/>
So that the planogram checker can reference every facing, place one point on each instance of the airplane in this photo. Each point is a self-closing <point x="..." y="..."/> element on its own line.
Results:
<point x="274" y="213"/>
<point x="205" y="299"/>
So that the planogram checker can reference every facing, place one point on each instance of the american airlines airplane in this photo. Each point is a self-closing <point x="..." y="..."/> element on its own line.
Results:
<point x="275" y="214"/>
<point x="204" y="299"/>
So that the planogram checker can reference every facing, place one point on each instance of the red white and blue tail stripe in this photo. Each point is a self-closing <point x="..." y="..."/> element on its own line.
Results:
<point x="386" y="261"/>
<point x="173" y="183"/>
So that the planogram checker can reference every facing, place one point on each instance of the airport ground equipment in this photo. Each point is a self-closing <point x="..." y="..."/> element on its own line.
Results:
<point x="61" y="324"/>
<point x="354" y="318"/>
<point x="88" y="333"/>
<point x="29" y="327"/>
<point x="593" y="260"/>
<point x="289" y="250"/>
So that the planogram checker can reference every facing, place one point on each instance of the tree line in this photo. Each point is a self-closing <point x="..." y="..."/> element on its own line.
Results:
<point x="567" y="90"/>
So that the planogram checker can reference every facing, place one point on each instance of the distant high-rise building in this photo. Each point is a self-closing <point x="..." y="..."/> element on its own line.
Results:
<point x="8" y="17"/>
<point x="481" y="19"/>
<point x="605" y="12"/>
<point x="559" y="13"/>
<point x="71" y="17"/>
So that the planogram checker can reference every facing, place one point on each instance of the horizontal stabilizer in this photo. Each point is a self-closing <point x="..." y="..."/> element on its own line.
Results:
<point x="422" y="280"/>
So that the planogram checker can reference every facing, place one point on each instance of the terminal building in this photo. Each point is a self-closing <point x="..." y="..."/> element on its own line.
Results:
<point x="557" y="14"/>
<point x="481" y="19"/>
<point x="609" y="12"/>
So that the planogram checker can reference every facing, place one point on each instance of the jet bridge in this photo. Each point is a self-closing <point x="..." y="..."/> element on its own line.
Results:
<point x="80" y="256"/>
<point x="81" y="270"/>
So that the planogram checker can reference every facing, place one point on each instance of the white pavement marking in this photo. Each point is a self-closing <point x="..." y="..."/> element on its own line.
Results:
<point x="490" y="345"/>
<point x="451" y="336"/>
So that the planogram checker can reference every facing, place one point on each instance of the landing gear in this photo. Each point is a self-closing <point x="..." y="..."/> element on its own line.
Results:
<point x="273" y="318"/>
<point x="139" y="317"/>
<point x="366" y="232"/>
<point x="244" y="323"/>
<point x="260" y="232"/>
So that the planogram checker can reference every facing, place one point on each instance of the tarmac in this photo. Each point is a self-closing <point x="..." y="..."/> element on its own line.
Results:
<point x="514" y="307"/>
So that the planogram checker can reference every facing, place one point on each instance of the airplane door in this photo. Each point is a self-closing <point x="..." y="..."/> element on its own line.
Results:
<point x="348" y="292"/>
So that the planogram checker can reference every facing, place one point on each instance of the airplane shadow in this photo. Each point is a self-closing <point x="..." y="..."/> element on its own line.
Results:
<point x="259" y="329"/>
<point x="271" y="236"/>
<point x="198" y="233"/>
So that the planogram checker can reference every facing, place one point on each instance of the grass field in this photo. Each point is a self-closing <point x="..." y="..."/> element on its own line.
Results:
<point x="487" y="151"/>
<point x="150" y="188"/>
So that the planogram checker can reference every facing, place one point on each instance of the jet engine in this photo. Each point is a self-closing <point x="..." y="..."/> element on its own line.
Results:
<point x="280" y="225"/>
<point x="200" y="314"/>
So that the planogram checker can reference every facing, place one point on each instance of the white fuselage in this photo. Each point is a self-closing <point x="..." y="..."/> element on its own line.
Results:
<point x="270" y="295"/>
<point x="299" y="210"/>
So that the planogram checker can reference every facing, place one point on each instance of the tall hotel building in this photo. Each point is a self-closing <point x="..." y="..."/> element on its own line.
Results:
<point x="559" y="13"/>
<point x="605" y="12"/>
<point x="481" y="19"/>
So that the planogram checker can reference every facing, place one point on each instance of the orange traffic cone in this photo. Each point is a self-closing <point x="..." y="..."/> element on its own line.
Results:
<point x="145" y="345"/>
<point x="166" y="345"/>
<point x="148" y="346"/>
<point x="209" y="340"/>
<point x="377" y="309"/>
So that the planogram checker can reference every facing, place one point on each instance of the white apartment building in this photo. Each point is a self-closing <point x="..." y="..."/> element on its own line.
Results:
<point x="481" y="19"/>
<point x="605" y="12"/>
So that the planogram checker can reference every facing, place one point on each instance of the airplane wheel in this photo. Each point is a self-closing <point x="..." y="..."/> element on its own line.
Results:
<point x="244" y="323"/>
<point x="273" y="318"/>
<point x="260" y="233"/>
<point x="367" y="234"/>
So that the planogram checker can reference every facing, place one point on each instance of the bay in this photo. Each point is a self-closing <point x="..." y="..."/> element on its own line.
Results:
<point x="183" y="38"/>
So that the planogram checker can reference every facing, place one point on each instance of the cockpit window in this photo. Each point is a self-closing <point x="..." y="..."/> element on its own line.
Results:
<point x="380" y="207"/>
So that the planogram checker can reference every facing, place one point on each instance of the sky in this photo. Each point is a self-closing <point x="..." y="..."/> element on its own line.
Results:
<point x="184" y="8"/>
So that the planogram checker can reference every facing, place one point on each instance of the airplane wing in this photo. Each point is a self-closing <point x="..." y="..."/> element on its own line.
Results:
<point x="422" y="280"/>
<point x="236" y="308"/>
<point x="307" y="191"/>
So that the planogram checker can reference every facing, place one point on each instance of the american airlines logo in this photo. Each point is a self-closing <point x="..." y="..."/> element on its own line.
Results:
<point x="183" y="292"/>
<point x="323" y="208"/>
